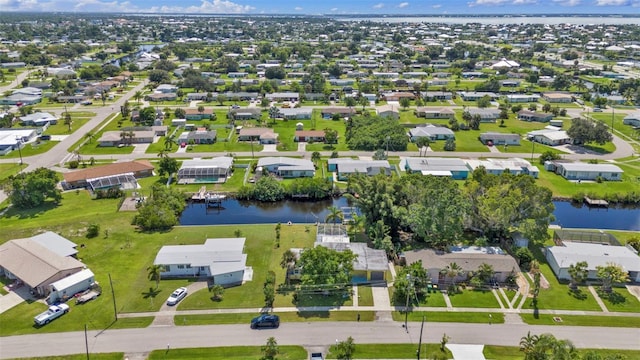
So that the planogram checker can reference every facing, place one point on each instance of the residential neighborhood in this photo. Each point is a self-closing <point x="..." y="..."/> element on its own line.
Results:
<point x="351" y="186"/>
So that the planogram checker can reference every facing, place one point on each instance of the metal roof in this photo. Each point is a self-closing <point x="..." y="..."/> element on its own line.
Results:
<point x="221" y="255"/>
<point x="595" y="255"/>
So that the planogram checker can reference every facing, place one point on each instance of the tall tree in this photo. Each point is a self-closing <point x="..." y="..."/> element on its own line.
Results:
<point x="270" y="350"/>
<point x="324" y="266"/>
<point x="335" y="215"/>
<point x="452" y="271"/>
<point x="611" y="274"/>
<point x="578" y="273"/>
<point x="345" y="349"/>
<point x="32" y="189"/>
<point x="584" y="131"/>
<point x="154" y="272"/>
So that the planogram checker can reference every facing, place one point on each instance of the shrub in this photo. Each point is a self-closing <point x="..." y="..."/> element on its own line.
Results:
<point x="93" y="230"/>
<point x="73" y="164"/>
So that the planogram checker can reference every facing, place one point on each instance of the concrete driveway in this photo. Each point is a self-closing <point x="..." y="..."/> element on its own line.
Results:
<point x="14" y="298"/>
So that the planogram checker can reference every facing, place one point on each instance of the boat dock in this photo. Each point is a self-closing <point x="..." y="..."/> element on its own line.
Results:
<point x="595" y="202"/>
<point x="211" y="199"/>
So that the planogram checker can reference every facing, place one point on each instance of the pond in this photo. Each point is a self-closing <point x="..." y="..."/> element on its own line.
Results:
<point x="252" y="212"/>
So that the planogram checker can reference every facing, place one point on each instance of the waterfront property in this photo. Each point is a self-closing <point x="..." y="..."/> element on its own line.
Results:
<point x="287" y="167"/>
<point x="123" y="175"/>
<point x="343" y="167"/>
<point x="514" y="166"/>
<point x="584" y="171"/>
<point x="567" y="253"/>
<point x="39" y="261"/>
<point x="221" y="260"/>
<point x="216" y="170"/>
<point x="469" y="258"/>
<point x="450" y="167"/>
<point x="495" y="138"/>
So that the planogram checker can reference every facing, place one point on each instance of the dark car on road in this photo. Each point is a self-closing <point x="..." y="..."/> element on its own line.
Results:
<point x="266" y="320"/>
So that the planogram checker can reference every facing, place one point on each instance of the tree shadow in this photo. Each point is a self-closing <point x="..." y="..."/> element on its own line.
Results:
<point x="313" y="314"/>
<point x="578" y="294"/>
<point x="152" y="293"/>
<point x="32" y="212"/>
<point x="613" y="297"/>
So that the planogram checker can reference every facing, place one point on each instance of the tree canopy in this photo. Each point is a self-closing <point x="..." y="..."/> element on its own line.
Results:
<point x="161" y="209"/>
<point x="32" y="189"/>
<point x="584" y="131"/>
<point x="324" y="266"/>
<point x="374" y="132"/>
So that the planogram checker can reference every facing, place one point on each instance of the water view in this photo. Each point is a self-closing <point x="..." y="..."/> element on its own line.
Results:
<point x="251" y="212"/>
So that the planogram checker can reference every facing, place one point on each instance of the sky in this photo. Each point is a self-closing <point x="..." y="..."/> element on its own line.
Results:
<point x="315" y="7"/>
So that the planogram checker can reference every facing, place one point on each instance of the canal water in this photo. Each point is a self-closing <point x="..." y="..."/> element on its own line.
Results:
<point x="233" y="211"/>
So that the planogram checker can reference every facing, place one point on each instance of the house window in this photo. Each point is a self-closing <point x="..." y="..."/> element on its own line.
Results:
<point x="202" y="268"/>
<point x="188" y="266"/>
<point x="180" y="266"/>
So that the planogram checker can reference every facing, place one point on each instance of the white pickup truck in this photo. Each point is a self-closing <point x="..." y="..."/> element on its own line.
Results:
<point x="54" y="312"/>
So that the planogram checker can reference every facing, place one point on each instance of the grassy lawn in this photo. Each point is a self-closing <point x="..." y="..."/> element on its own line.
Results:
<point x="391" y="351"/>
<point x="285" y="317"/>
<point x="445" y="316"/>
<point x="30" y="149"/>
<point x="432" y="299"/>
<point x="583" y="320"/>
<point x="620" y="300"/>
<point x="495" y="352"/>
<point x="103" y="356"/>
<point x="78" y="119"/>
<point x="227" y="353"/>
<point x="510" y="294"/>
<point x="474" y="299"/>
<point x="10" y="169"/>
<point x="365" y="296"/>
<point x="559" y="296"/>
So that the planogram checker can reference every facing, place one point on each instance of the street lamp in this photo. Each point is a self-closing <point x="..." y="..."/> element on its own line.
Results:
<point x="406" y="307"/>
<point x="19" y="143"/>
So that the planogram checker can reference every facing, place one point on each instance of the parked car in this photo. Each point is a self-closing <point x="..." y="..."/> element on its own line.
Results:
<point x="317" y="356"/>
<point x="86" y="102"/>
<point x="52" y="313"/>
<point x="597" y="110"/>
<point x="265" y="320"/>
<point x="176" y="296"/>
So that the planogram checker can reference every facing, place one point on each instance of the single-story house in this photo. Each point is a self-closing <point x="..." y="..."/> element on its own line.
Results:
<point x="557" y="97"/>
<point x="13" y="65"/>
<point x="216" y="170"/>
<point x="237" y="74"/>
<point x="287" y="167"/>
<point x="167" y="88"/>
<point x="475" y="96"/>
<point x="616" y="99"/>
<point x="123" y="174"/>
<point x="38" y="263"/>
<point x="38" y="119"/>
<point x="396" y="96"/>
<point x="239" y="95"/>
<point x="264" y="135"/>
<point x="549" y="137"/>
<point x="309" y="135"/>
<point x="514" y="166"/>
<point x="347" y="166"/>
<point x="198" y="136"/>
<point x="194" y="114"/>
<point x="437" y="95"/>
<point x="62" y="73"/>
<point x="295" y="113"/>
<point x="283" y="96"/>
<point x="13" y="138"/>
<point x="500" y="138"/>
<point x="450" y="167"/>
<point x="72" y="98"/>
<point x="197" y="96"/>
<point x="158" y="96"/>
<point x="469" y="258"/>
<point x="584" y="171"/>
<point x="369" y="265"/>
<point x="595" y="254"/>
<point x="388" y="111"/>
<point x="432" y="132"/>
<point x="21" y="99"/>
<point x="632" y="119"/>
<point x="523" y="98"/>
<point x="245" y="113"/>
<point x="329" y="112"/>
<point x="219" y="259"/>
<point x="115" y="138"/>
<point x="504" y="63"/>
<point x="486" y="115"/>
<point x="435" y="113"/>
<point x="527" y="115"/>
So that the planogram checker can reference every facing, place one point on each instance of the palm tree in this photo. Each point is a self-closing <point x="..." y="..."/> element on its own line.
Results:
<point x="169" y="140"/>
<point x="67" y="120"/>
<point x="485" y="272"/>
<point x="137" y="96"/>
<point x="217" y="291"/>
<point x="89" y="136"/>
<point x="422" y="143"/>
<point x="528" y="343"/>
<point x="335" y="215"/>
<point x="287" y="262"/>
<point x="130" y="136"/>
<point x="356" y="225"/>
<point x="154" y="272"/>
<point x="315" y="156"/>
<point x="162" y="153"/>
<point x="452" y="271"/>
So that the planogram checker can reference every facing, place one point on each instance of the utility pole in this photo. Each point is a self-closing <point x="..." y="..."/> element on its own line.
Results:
<point x="19" y="143"/>
<point x="113" y="295"/>
<point x="533" y="145"/>
<point x="406" y="307"/>
<point x="86" y="341"/>
<point x="420" y="338"/>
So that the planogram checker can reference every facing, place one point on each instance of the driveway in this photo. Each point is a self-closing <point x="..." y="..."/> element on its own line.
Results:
<point x="14" y="298"/>
<point x="269" y="148"/>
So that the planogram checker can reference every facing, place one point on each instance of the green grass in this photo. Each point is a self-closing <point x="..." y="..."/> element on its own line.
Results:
<point x="228" y="353"/>
<point x="10" y="169"/>
<point x="100" y="356"/>
<point x="391" y="351"/>
<point x="78" y="119"/>
<point x="511" y="294"/>
<point x="285" y="317"/>
<point x="494" y="352"/>
<point x="474" y="299"/>
<point x="559" y="296"/>
<point x="31" y="149"/>
<point x="433" y="299"/>
<point x="365" y="295"/>
<point x="446" y="316"/>
<point x="583" y="320"/>
<point x="620" y="300"/>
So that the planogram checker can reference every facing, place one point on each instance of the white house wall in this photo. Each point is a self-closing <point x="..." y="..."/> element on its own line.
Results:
<point x="229" y="278"/>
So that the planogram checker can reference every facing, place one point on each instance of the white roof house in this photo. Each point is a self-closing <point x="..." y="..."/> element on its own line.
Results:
<point x="632" y="119"/>
<point x="432" y="132"/>
<point x="515" y="166"/>
<point x="450" y="167"/>
<point x="586" y="171"/>
<point x="561" y="257"/>
<point x="504" y="63"/>
<point x="214" y="170"/>
<point x="39" y="119"/>
<point x="56" y="243"/>
<point x="222" y="259"/>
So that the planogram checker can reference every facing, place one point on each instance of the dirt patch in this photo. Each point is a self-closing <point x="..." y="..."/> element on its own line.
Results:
<point x="129" y="204"/>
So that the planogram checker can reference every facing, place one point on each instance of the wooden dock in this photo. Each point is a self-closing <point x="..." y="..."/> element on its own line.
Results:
<point x="200" y="195"/>
<point x="595" y="202"/>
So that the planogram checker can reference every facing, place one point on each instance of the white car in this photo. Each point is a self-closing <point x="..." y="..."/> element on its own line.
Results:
<point x="176" y="296"/>
<point x="53" y="312"/>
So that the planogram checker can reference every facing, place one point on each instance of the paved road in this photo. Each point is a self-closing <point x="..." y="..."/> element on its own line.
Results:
<point x="16" y="81"/>
<point x="306" y="334"/>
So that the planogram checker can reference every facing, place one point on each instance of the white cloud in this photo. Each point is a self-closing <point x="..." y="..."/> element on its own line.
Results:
<point x="206" y="6"/>
<point x="297" y="8"/>
<point x="334" y="9"/>
<point x="504" y="2"/>
<point x="403" y="5"/>
<point x="378" y="6"/>
<point x="568" y="2"/>
<point x="436" y="6"/>
<point x="612" y="2"/>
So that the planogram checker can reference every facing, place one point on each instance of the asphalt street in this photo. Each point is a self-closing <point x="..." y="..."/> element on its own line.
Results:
<point x="306" y="334"/>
